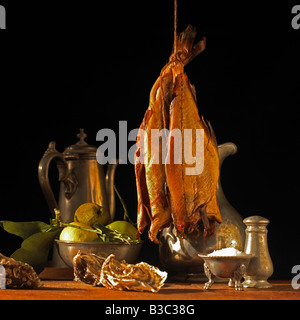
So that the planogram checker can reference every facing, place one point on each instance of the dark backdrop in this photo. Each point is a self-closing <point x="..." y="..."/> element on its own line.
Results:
<point x="65" y="67"/>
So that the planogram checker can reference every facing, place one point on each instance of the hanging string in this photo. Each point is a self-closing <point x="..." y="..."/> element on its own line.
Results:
<point x="175" y="27"/>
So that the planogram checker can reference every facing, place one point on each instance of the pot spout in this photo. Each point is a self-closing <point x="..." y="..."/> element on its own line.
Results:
<point x="225" y="150"/>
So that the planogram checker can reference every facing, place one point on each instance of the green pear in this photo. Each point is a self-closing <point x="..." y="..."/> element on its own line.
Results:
<point x="90" y="213"/>
<point x="124" y="227"/>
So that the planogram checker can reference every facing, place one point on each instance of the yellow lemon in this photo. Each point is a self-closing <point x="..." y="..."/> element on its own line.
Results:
<point x="75" y="234"/>
<point x="89" y="213"/>
<point x="123" y="227"/>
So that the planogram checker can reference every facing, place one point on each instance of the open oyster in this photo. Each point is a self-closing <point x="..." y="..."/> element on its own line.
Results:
<point x="137" y="277"/>
<point x="19" y="274"/>
<point x="113" y="274"/>
<point x="87" y="267"/>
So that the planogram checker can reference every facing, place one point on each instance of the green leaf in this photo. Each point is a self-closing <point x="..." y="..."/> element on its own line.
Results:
<point x="37" y="241"/>
<point x="23" y="229"/>
<point x="35" y="249"/>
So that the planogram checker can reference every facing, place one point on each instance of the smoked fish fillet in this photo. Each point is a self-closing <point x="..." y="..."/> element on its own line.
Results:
<point x="193" y="196"/>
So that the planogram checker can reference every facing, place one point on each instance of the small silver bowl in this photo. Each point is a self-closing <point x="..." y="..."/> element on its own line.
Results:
<point x="122" y="251"/>
<point x="232" y="267"/>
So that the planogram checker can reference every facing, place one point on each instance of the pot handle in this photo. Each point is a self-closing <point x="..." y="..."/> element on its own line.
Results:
<point x="68" y="178"/>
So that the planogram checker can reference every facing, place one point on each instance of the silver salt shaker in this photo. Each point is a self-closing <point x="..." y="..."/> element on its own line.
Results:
<point x="260" y="267"/>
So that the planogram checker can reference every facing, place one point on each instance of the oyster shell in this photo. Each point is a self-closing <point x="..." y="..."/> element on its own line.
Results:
<point x="113" y="274"/>
<point x="87" y="267"/>
<point x="137" y="277"/>
<point x="19" y="274"/>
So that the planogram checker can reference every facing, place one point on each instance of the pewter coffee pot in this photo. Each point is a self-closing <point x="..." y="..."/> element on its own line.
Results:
<point x="81" y="179"/>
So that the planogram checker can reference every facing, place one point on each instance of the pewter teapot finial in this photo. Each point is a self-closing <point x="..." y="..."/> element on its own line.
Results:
<point x="81" y="135"/>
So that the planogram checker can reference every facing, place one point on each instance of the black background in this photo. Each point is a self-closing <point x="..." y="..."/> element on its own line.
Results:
<point x="82" y="65"/>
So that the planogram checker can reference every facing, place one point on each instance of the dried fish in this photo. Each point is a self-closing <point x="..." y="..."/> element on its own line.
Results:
<point x="19" y="275"/>
<point x="136" y="277"/>
<point x="87" y="267"/>
<point x="166" y="190"/>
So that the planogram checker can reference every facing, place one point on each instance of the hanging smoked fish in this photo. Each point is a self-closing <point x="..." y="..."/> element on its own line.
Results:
<point x="165" y="192"/>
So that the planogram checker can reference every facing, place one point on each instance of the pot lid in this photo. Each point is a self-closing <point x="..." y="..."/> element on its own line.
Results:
<point x="81" y="148"/>
<point x="256" y="220"/>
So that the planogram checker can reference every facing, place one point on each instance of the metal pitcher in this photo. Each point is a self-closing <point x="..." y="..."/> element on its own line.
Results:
<point x="81" y="179"/>
<point x="180" y="255"/>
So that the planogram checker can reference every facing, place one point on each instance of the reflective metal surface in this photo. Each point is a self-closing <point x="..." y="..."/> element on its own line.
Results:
<point x="181" y="256"/>
<point x="261" y="266"/>
<point x="122" y="251"/>
<point x="232" y="267"/>
<point x="81" y="179"/>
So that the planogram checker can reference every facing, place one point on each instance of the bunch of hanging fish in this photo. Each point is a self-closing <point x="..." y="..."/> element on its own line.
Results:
<point x="166" y="193"/>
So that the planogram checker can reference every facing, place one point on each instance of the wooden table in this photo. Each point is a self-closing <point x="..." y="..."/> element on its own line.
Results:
<point x="72" y="290"/>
